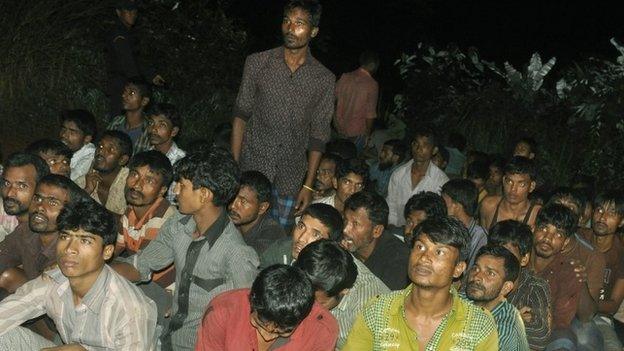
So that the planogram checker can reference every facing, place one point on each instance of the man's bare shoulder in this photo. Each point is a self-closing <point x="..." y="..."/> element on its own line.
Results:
<point x="490" y="202"/>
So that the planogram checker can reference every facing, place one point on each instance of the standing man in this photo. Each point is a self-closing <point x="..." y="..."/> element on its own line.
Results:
<point x="121" y="52"/>
<point x="356" y="101"/>
<point x="283" y="109"/>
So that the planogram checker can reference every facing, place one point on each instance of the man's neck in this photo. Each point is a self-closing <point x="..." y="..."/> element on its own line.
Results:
<point x="22" y="218"/>
<point x="364" y="253"/>
<point x="47" y="238"/>
<point x="205" y="217"/>
<point x="164" y="147"/>
<point x="490" y="305"/>
<point x="464" y="218"/>
<point x="295" y="57"/>
<point x="603" y="243"/>
<point x="338" y="204"/>
<point x="80" y="286"/>
<point x="429" y="302"/>
<point x="540" y="263"/>
<point x="109" y="178"/>
<point x="246" y="228"/>
<point x="134" y="119"/>
<point x="517" y="209"/>
<point x="420" y="166"/>
<point x="140" y="211"/>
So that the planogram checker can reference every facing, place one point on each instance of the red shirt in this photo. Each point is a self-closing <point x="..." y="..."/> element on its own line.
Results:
<point x="356" y="101"/>
<point x="227" y="326"/>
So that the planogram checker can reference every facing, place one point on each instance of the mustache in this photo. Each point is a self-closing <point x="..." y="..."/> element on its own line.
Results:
<point x="475" y="285"/>
<point x="10" y="200"/>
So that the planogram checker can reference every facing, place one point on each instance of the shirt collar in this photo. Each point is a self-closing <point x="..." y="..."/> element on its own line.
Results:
<point x="157" y="209"/>
<point x="457" y="311"/>
<point x="213" y="232"/>
<point x="310" y="60"/>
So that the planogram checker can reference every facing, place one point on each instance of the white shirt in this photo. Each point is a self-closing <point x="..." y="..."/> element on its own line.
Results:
<point x="175" y="153"/>
<point x="328" y="200"/>
<point x="400" y="188"/>
<point x="81" y="161"/>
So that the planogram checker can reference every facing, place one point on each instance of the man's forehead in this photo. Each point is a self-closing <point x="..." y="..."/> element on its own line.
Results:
<point x="356" y="178"/>
<point x="298" y="13"/>
<point x="46" y="188"/>
<point x="248" y="192"/>
<point x="25" y="173"/>
<point x="428" y="241"/>
<point x="160" y="117"/>
<point x="518" y="176"/>
<point x="491" y="262"/>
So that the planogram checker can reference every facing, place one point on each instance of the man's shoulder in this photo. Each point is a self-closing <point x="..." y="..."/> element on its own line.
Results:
<point x="490" y="201"/>
<point x="231" y="298"/>
<point x="269" y="228"/>
<point x="383" y="304"/>
<point x="367" y="281"/>
<point x="320" y="319"/>
<point x="392" y="244"/>
<point x="275" y="253"/>
<point x="476" y="317"/>
<point x="126" y="293"/>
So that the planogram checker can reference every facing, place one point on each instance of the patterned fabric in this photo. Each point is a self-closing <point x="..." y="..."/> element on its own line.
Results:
<point x="366" y="286"/>
<point x="221" y="260"/>
<point x="382" y="325"/>
<point x="81" y="161"/>
<point x="400" y="188"/>
<point x="139" y="144"/>
<point x="175" y="153"/>
<point x="511" y="334"/>
<point x="286" y="113"/>
<point x="113" y="315"/>
<point x="356" y="101"/>
<point x="282" y="209"/>
<point x="534" y="292"/>
<point x="116" y="201"/>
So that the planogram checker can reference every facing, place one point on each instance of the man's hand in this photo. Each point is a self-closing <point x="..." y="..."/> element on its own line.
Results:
<point x="92" y="179"/>
<point x="525" y="313"/>
<point x="70" y="347"/>
<point x="580" y="270"/>
<point x="158" y="80"/>
<point x="303" y="200"/>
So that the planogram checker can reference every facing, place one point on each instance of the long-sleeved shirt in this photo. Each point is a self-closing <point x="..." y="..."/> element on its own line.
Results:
<point x="511" y="334"/>
<point x="286" y="113"/>
<point x="214" y="262"/>
<point x="113" y="315"/>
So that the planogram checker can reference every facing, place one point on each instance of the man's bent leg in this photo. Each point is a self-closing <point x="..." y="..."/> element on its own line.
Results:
<point x="283" y="210"/>
<point x="588" y="336"/>
<point x="611" y="341"/>
<point x="22" y="339"/>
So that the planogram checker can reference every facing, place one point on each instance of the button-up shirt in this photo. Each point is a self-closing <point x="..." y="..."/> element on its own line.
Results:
<point x="400" y="188"/>
<point x="511" y="334"/>
<point x="81" y="161"/>
<point x="382" y="325"/>
<point x="116" y="201"/>
<point x="389" y="260"/>
<point x="23" y="248"/>
<point x="286" y="113"/>
<point x="356" y="101"/>
<point x="214" y="262"/>
<point x="140" y="143"/>
<point x="266" y="232"/>
<point x="113" y="315"/>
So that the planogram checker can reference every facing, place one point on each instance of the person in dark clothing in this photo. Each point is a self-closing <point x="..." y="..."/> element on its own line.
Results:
<point x="121" y="56"/>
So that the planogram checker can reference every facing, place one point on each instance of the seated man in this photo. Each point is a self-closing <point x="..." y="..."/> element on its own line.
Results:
<point x="343" y="284"/>
<point x="518" y="183"/>
<point x="318" y="221"/>
<point x="324" y="181"/>
<point x="530" y="294"/>
<point x="91" y="305"/>
<point x="490" y="279"/>
<point x="428" y="314"/>
<point x="418" y="174"/>
<point x="278" y="313"/>
<point x="441" y="158"/>
<point x="391" y="156"/>
<point x="478" y="173"/>
<point x="135" y="98"/>
<point x="351" y="177"/>
<point x="25" y="254"/>
<point x="494" y="183"/>
<point x="78" y="131"/>
<point x="249" y="212"/>
<point x="419" y="207"/>
<point x="106" y="181"/>
<point x="207" y="250"/>
<point x="56" y="154"/>
<point x="460" y="196"/>
<point x="364" y="235"/>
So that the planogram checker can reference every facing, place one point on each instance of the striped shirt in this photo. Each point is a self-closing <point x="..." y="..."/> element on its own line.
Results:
<point x="142" y="143"/>
<point x="215" y="262"/>
<point x="366" y="286"/>
<point x="113" y="315"/>
<point x="511" y="335"/>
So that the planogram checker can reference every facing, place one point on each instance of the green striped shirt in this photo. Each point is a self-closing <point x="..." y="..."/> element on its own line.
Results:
<point x="511" y="333"/>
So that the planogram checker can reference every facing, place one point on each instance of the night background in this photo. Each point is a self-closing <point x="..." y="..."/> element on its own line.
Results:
<point x="53" y="60"/>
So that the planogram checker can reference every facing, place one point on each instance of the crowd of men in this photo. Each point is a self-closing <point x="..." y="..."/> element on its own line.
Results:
<point x="291" y="239"/>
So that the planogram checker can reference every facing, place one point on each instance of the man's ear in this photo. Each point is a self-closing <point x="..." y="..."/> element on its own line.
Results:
<point x="378" y="230"/>
<point x="395" y="159"/>
<point x="435" y="150"/>
<point x="531" y="155"/>
<point x="507" y="288"/>
<point x="314" y="32"/>
<point x="175" y="131"/>
<point x="108" y="252"/>
<point x="206" y="195"/>
<point x="335" y="183"/>
<point x="532" y="187"/>
<point x="460" y="267"/>
<point x="343" y="292"/>
<point x="524" y="261"/>
<point x="263" y="208"/>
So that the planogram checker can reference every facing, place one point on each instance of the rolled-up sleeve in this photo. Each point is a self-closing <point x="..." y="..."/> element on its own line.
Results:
<point x="28" y="302"/>
<point x="243" y="107"/>
<point x="322" y="115"/>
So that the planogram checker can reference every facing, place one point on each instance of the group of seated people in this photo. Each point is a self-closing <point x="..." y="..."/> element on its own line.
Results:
<point x="122" y="241"/>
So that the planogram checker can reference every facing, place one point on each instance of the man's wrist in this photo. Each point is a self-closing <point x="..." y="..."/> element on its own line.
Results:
<point x="308" y="188"/>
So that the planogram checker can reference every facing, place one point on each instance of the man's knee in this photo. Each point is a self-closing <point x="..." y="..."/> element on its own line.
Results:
<point x="11" y="279"/>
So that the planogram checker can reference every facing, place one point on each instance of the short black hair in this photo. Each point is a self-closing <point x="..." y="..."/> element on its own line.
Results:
<point x="429" y="202"/>
<point x="568" y="195"/>
<point x="375" y="205"/>
<point x="511" y="264"/>
<point x="343" y="148"/>
<point x="327" y="156"/>
<point x="259" y="183"/>
<point x="398" y="148"/>
<point x="353" y="165"/>
<point x="215" y="170"/>
<point x="423" y="130"/>
<point x="145" y="89"/>
<point x="496" y="160"/>
<point x="282" y="295"/>
<point x="559" y="216"/>
<point x="74" y="192"/>
<point x="329" y="216"/>
<point x="312" y="7"/>
<point x="530" y="142"/>
<point x="44" y="146"/>
<point x="513" y="232"/>
<point x="168" y="110"/>
<point x="84" y="120"/>
<point x="157" y="162"/>
<point x="611" y="196"/>
<point x="464" y="192"/>
<point x="369" y="58"/>
<point x="21" y="159"/>
<point x="91" y="217"/>
<point x="478" y="170"/>
<point x="520" y="165"/>
<point x="330" y="267"/>
<point x="123" y="141"/>
<point x="447" y="231"/>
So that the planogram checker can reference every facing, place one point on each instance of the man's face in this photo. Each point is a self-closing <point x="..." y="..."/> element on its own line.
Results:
<point x="517" y="187"/>
<point x="72" y="136"/>
<point x="486" y="279"/>
<point x="515" y="250"/>
<point x="411" y="221"/>
<point x="439" y="161"/>
<point x="45" y="207"/>
<point x="450" y="204"/>
<point x="108" y="156"/>
<point x="523" y="149"/>
<point x="189" y="199"/>
<point x="549" y="240"/>
<point x="132" y="99"/>
<point x="359" y="231"/>
<point x="246" y="208"/>
<point x="18" y="188"/>
<point x="297" y="29"/>
<point x="606" y="220"/>
<point x="348" y="185"/>
<point x="143" y="186"/>
<point x="81" y="254"/>
<point x="325" y="175"/>
<point x="59" y="164"/>
<point x="433" y="265"/>
<point x="386" y="157"/>
<point x="496" y="175"/>
<point x="127" y="17"/>
<point x="422" y="149"/>
<point x="161" y="130"/>
<point x="308" y="230"/>
<point x="268" y="331"/>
